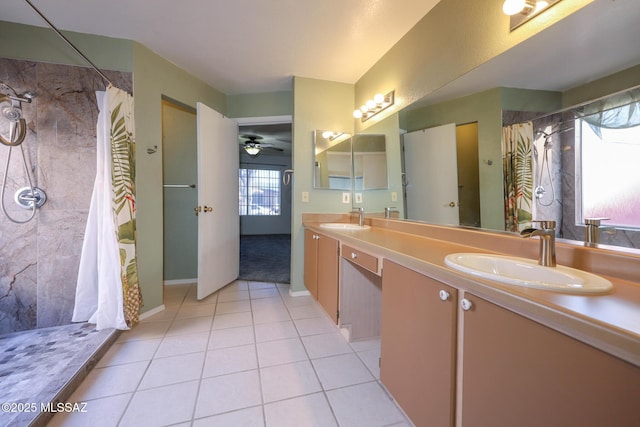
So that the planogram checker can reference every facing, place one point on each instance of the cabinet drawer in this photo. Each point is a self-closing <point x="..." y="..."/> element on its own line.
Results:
<point x="360" y="258"/>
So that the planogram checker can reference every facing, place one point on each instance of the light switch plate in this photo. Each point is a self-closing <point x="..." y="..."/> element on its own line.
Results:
<point x="346" y="197"/>
<point x="305" y="197"/>
<point x="358" y="197"/>
<point x="394" y="196"/>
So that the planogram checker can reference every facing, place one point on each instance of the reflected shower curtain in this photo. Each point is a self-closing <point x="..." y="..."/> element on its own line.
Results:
<point x="518" y="176"/>
<point x="107" y="291"/>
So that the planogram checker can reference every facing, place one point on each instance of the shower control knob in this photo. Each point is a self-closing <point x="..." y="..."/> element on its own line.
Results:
<point x="444" y="295"/>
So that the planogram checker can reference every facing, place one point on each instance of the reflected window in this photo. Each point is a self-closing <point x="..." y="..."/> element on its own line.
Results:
<point x="259" y="191"/>
<point x="610" y="173"/>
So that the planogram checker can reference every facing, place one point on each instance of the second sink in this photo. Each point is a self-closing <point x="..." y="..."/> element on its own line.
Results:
<point x="527" y="273"/>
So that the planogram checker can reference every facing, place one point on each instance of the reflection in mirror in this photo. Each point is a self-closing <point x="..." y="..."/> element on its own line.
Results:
<point x="369" y="162"/>
<point x="582" y="169"/>
<point x="332" y="160"/>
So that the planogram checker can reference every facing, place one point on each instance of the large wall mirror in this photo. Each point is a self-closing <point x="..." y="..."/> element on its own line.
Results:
<point x="536" y="85"/>
<point x="349" y="162"/>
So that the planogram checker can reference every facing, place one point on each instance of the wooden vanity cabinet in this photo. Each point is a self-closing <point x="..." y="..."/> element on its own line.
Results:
<point x="418" y="345"/>
<point x="321" y="261"/>
<point x="517" y="372"/>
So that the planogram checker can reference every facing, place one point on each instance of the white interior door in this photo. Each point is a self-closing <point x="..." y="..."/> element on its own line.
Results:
<point x="218" y="223"/>
<point x="432" y="175"/>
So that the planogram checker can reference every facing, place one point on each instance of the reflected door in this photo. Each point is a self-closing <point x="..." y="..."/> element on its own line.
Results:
<point x="218" y="223"/>
<point x="431" y="173"/>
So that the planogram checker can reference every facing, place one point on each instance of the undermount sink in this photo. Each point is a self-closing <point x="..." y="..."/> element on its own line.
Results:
<point x="527" y="273"/>
<point x="343" y="226"/>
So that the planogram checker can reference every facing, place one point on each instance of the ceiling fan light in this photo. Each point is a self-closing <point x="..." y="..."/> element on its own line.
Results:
<point x="252" y="150"/>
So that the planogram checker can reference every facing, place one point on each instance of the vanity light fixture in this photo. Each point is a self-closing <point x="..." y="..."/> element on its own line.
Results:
<point x="331" y="135"/>
<point x="522" y="11"/>
<point x="373" y="106"/>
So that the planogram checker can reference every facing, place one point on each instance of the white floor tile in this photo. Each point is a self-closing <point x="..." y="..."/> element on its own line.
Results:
<point x="110" y="381"/>
<point x="145" y="331"/>
<point x="250" y="417"/>
<point x="161" y="406"/>
<point x="233" y="307"/>
<point x="261" y="285"/>
<point x="230" y="360"/>
<point x="228" y="393"/>
<point x="196" y="310"/>
<point x="341" y="371"/>
<point x="290" y="380"/>
<point x="129" y="352"/>
<point x="232" y="320"/>
<point x="306" y="311"/>
<point x="264" y="293"/>
<point x="365" y="405"/>
<point x="326" y="345"/>
<point x="280" y="352"/>
<point x="100" y="412"/>
<point x="191" y="325"/>
<point x="168" y="314"/>
<point x="270" y="315"/>
<point x="371" y="358"/>
<point x="267" y="303"/>
<point x="364" y="345"/>
<point x="234" y="295"/>
<point x="275" y="331"/>
<point x="192" y="298"/>
<point x="315" y="326"/>
<point x="222" y="338"/>
<point x="291" y="301"/>
<point x="172" y="370"/>
<point x="238" y="285"/>
<point x="183" y="344"/>
<point x="304" y="411"/>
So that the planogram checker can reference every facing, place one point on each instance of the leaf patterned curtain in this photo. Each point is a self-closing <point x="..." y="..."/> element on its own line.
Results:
<point x="123" y="174"/>
<point x="518" y="176"/>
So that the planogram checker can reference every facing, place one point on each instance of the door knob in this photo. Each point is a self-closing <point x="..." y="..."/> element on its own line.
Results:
<point x="207" y="208"/>
<point x="197" y="210"/>
<point x="452" y="204"/>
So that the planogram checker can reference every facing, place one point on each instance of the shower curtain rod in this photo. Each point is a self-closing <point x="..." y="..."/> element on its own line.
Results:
<point x="53" y="27"/>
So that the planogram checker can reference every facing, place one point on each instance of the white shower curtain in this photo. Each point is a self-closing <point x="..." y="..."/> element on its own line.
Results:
<point x="99" y="291"/>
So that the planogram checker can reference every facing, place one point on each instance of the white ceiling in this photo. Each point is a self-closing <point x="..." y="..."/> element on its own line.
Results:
<point x="243" y="46"/>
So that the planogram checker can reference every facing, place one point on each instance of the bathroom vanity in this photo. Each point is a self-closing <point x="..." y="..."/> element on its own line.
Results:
<point x="461" y="350"/>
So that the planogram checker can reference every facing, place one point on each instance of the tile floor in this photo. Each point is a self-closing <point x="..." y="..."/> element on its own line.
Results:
<point x="249" y="355"/>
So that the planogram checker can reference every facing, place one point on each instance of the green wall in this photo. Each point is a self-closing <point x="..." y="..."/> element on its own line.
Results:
<point x="260" y="104"/>
<point x="317" y="104"/>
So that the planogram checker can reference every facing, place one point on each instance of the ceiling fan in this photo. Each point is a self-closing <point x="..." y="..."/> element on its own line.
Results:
<point x="253" y="146"/>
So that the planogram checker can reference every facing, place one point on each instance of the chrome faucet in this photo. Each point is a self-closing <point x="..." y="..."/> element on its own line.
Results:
<point x="360" y="212"/>
<point x="389" y="210"/>
<point x="592" y="226"/>
<point x="547" y="234"/>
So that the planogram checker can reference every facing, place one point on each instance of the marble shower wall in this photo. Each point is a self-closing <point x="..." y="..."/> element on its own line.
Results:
<point x="39" y="260"/>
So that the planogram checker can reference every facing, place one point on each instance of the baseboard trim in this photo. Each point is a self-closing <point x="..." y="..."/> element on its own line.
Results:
<point x="180" y="282"/>
<point x="153" y="311"/>
<point x="298" y="293"/>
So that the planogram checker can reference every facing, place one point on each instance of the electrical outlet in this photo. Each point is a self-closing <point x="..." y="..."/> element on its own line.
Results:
<point x="346" y="197"/>
<point x="394" y="196"/>
<point x="358" y="197"/>
<point x="305" y="197"/>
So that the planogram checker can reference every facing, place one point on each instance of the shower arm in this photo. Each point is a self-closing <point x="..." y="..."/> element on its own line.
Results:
<point x="62" y="36"/>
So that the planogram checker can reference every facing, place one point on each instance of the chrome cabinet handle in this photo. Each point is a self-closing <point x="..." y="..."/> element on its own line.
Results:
<point x="354" y="255"/>
<point x="444" y="295"/>
<point x="466" y="304"/>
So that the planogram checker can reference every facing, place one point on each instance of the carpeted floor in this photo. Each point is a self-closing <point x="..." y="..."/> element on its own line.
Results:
<point x="265" y="258"/>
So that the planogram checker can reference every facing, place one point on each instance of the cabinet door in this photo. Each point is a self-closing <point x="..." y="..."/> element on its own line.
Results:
<point x="517" y="372"/>
<point x="418" y="344"/>
<point x="311" y="262"/>
<point x="328" y="275"/>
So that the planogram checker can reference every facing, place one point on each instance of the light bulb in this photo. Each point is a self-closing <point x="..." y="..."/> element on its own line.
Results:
<point x="378" y="98"/>
<point x="370" y="105"/>
<point x="357" y="114"/>
<point x="513" y="7"/>
<point x="364" y="108"/>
